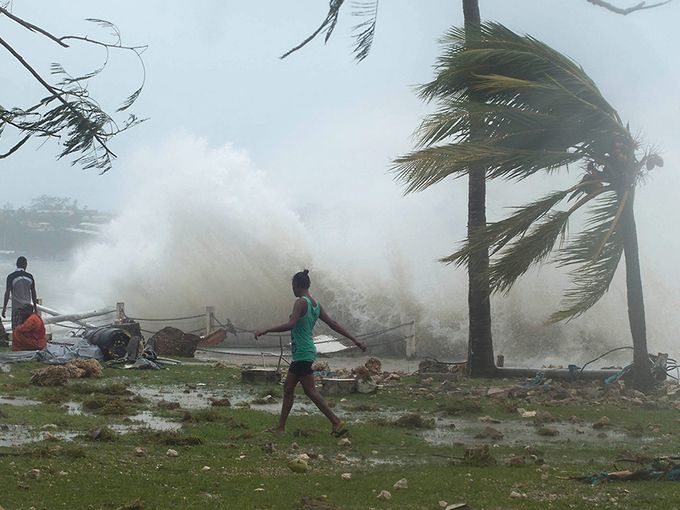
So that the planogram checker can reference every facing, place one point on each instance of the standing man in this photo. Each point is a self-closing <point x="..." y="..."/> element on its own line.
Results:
<point x="21" y="286"/>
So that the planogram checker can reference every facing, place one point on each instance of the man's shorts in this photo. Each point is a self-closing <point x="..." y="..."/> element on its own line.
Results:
<point x="301" y="368"/>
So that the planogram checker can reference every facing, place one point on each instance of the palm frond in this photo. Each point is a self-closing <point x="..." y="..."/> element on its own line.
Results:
<point x="595" y="261"/>
<point x="364" y="32"/>
<point x="530" y="249"/>
<point x="536" y="108"/>
<point x="497" y="235"/>
<point x="327" y="25"/>
<point x="421" y="169"/>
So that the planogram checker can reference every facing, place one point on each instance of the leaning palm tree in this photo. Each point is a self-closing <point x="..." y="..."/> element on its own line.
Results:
<point x="539" y="112"/>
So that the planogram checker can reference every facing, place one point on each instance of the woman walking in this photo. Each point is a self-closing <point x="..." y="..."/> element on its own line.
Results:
<point x="306" y="311"/>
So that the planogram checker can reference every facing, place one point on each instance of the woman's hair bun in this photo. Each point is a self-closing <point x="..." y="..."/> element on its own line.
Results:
<point x="306" y="271"/>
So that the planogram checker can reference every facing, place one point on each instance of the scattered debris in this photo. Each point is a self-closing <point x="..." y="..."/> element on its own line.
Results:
<point x="171" y="341"/>
<point x="366" y="387"/>
<point x="253" y="375"/>
<point x="518" y="495"/>
<point x="321" y="366"/>
<point x="385" y="495"/>
<point x="488" y="419"/>
<point x="414" y="421"/>
<point x="602" y="423"/>
<point x="346" y="476"/>
<point x="374" y="366"/>
<point x="103" y="434"/>
<point x="479" y="456"/>
<point x="167" y="404"/>
<point x="401" y="484"/>
<point x="34" y="473"/>
<point x="172" y="453"/>
<point x="57" y="375"/>
<point x="516" y="460"/>
<point x="220" y="402"/>
<point x="547" y="431"/>
<point x="526" y="414"/>
<point x="345" y="442"/>
<point x="298" y="465"/>
<point x="338" y="386"/>
<point x="140" y="452"/>
<point x="490" y="433"/>
<point x="662" y="468"/>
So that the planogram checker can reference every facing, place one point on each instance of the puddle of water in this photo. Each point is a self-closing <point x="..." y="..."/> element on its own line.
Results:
<point x="199" y="398"/>
<point x="146" y="419"/>
<point x="73" y="408"/>
<point x="18" y="401"/>
<point x="18" y="435"/>
<point x="451" y="431"/>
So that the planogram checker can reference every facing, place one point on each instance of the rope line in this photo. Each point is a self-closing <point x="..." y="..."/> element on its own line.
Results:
<point x="171" y="319"/>
<point x="286" y="333"/>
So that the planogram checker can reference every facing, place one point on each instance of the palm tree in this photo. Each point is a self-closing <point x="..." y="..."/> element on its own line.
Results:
<point x="537" y="111"/>
<point x="480" y="360"/>
<point x="480" y="344"/>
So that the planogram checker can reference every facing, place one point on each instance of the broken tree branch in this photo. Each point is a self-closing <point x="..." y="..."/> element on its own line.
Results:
<point x="627" y="10"/>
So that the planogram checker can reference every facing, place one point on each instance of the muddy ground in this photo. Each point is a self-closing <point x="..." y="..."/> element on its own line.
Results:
<point x="194" y="436"/>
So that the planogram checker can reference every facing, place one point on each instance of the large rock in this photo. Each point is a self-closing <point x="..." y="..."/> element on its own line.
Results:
<point x="171" y="341"/>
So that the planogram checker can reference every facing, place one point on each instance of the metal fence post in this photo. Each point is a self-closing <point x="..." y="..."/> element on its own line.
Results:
<point x="120" y="312"/>
<point x="411" y="341"/>
<point x="209" y="316"/>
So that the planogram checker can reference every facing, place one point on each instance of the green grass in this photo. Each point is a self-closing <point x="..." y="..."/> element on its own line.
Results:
<point x="243" y="457"/>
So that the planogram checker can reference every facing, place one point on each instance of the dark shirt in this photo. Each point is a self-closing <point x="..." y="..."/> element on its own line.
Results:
<point x="20" y="283"/>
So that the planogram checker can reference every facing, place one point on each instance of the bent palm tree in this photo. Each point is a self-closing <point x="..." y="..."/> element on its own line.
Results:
<point x="539" y="111"/>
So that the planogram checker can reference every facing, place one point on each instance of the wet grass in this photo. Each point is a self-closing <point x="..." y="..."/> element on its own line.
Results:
<point x="227" y="459"/>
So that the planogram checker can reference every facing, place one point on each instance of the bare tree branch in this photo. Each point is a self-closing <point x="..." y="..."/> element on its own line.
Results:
<point x="16" y="147"/>
<point x="32" y="27"/>
<point x="627" y="10"/>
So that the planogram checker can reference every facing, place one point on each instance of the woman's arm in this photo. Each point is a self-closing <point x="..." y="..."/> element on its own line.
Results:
<point x="339" y="328"/>
<point x="299" y="309"/>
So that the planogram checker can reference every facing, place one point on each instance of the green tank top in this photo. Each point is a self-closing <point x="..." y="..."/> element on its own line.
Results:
<point x="302" y="335"/>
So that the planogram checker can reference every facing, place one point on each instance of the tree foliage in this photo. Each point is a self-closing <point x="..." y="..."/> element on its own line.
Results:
<point x="540" y="112"/>
<point x="364" y="31"/>
<point x="67" y="112"/>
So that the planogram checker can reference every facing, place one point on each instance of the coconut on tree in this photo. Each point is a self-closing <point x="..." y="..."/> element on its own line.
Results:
<point x="539" y="112"/>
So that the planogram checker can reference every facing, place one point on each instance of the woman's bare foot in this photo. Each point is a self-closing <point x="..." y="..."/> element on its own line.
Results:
<point x="339" y="430"/>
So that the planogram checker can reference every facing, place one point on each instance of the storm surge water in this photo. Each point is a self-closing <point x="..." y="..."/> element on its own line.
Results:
<point x="203" y="226"/>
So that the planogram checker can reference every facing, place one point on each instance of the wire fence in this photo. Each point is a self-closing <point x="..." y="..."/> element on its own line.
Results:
<point x="203" y="323"/>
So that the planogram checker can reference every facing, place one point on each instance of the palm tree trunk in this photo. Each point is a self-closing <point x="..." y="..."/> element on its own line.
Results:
<point x="642" y="375"/>
<point x="480" y="345"/>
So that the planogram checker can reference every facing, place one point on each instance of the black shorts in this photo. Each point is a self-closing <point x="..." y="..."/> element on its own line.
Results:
<point x="301" y="368"/>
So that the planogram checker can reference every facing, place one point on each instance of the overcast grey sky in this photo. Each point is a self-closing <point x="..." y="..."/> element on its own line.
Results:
<point x="213" y="72"/>
<point x="323" y="129"/>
